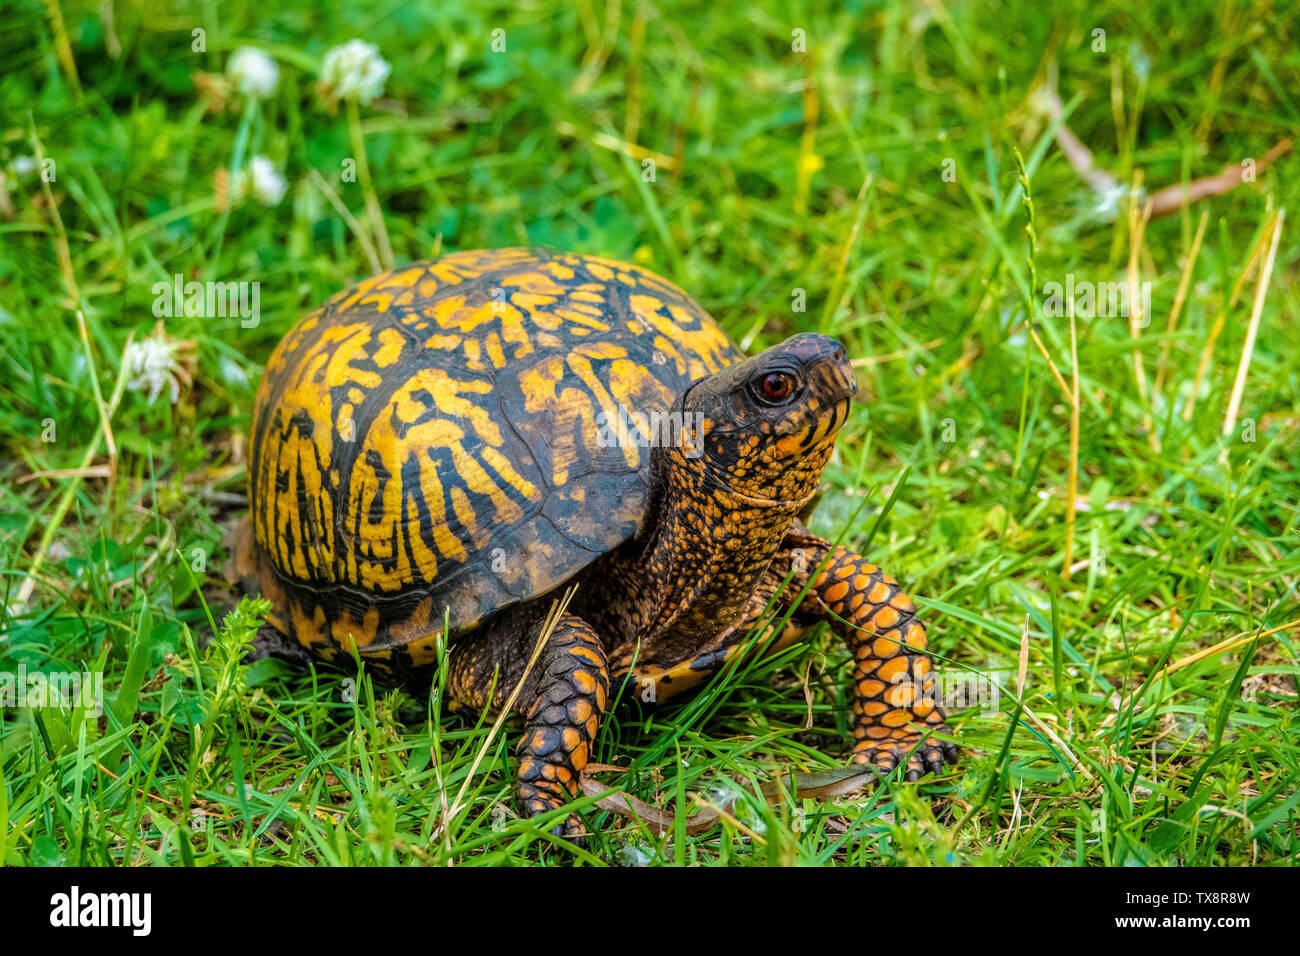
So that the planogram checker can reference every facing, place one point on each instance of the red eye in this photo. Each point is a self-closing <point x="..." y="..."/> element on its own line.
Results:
<point x="777" y="386"/>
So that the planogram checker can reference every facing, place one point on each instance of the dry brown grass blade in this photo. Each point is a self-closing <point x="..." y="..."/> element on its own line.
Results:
<point x="616" y="145"/>
<point x="593" y="61"/>
<point x="548" y="628"/>
<point x="1072" y="480"/>
<point x="105" y="414"/>
<point x="362" y="237"/>
<point x="91" y="471"/>
<point x="60" y="239"/>
<point x="1022" y="664"/>
<point x="1207" y="353"/>
<point x="63" y="47"/>
<point x="868" y="360"/>
<point x="632" y="95"/>
<point x="808" y="159"/>
<point x="1237" y="640"/>
<point x="1252" y="330"/>
<point x="1137" y="224"/>
<point x="55" y="521"/>
<point x="1245" y="637"/>
<point x="1047" y="357"/>
<point x="1180" y="297"/>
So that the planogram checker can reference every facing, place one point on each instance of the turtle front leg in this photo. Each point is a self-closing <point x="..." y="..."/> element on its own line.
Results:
<point x="561" y="702"/>
<point x="561" y="723"/>
<point x="893" y="682"/>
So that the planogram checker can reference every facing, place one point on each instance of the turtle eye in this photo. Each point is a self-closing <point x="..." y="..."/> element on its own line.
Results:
<point x="777" y="386"/>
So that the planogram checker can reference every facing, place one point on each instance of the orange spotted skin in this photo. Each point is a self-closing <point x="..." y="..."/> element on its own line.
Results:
<point x="893" y="698"/>
<point x="560" y="726"/>
<point x="434" y="445"/>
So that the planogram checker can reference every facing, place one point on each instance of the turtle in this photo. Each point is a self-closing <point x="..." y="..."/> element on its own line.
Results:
<point x="440" y="451"/>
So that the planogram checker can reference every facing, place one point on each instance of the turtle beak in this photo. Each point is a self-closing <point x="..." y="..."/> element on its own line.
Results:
<point x="829" y="371"/>
<point x="831" y="376"/>
<point x="840" y="382"/>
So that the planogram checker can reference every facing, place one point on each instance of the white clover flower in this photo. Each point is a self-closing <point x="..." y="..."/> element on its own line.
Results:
<point x="261" y="180"/>
<point x="156" y="363"/>
<point x="354" y="69"/>
<point x="254" y="73"/>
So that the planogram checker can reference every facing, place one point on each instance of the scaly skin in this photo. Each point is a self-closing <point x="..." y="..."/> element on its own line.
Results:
<point x="893" y="682"/>
<point x="560" y="727"/>
<point x="681" y="597"/>
<point x="566" y="693"/>
<point x="895" y="715"/>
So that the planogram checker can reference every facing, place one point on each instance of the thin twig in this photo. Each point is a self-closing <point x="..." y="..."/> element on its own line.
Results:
<point x="1173" y="198"/>
<point x="1164" y="202"/>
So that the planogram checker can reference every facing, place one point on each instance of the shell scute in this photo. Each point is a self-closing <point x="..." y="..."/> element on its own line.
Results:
<point x="434" y="441"/>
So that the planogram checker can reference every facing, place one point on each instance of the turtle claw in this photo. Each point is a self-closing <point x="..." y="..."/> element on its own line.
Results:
<point x="573" y="830"/>
<point x="269" y="642"/>
<point x="926" y="759"/>
<point x="536" y="801"/>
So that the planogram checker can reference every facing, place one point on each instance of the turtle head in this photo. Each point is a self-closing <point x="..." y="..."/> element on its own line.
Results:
<point x="764" y="428"/>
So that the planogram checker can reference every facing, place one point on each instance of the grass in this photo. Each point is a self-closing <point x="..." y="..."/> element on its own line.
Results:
<point x="1155" y="723"/>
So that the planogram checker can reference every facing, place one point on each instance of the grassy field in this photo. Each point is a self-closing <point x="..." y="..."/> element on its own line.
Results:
<point x="852" y="171"/>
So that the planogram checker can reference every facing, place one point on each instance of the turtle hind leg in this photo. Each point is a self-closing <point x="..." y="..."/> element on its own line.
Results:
<point x="271" y="642"/>
<point x="561" y="722"/>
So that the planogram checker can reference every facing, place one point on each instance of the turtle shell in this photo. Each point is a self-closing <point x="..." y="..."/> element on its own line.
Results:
<point x="429" y="444"/>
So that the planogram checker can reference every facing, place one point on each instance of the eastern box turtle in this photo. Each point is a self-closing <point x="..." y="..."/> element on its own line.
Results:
<point x="456" y="439"/>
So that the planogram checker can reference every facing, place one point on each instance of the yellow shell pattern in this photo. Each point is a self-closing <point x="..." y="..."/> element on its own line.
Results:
<point x="429" y="442"/>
